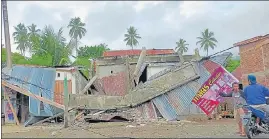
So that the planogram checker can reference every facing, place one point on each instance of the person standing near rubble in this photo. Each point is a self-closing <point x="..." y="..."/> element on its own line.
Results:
<point x="238" y="102"/>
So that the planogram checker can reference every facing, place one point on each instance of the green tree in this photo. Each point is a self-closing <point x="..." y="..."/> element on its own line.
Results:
<point x="21" y="38"/>
<point x="232" y="65"/>
<point x="87" y="52"/>
<point x="131" y="38"/>
<point x="53" y="44"/>
<point x="16" y="58"/>
<point x="181" y="46"/>
<point x="207" y="40"/>
<point x="34" y="37"/>
<point x="92" y="51"/>
<point x="77" y="31"/>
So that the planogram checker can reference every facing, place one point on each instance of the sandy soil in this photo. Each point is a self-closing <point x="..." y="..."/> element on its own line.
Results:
<point x="160" y="129"/>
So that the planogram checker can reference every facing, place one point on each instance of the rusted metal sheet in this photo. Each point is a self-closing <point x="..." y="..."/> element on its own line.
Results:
<point x="59" y="90"/>
<point x="137" y="52"/>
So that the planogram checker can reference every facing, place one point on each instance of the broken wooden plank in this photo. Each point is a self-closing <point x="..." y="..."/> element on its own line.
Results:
<point x="49" y="118"/>
<point x="27" y="93"/>
<point x="139" y="64"/>
<point x="88" y="85"/>
<point x="11" y="106"/>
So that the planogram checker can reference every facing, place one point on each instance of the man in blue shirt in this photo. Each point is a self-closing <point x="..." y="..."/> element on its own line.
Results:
<point x="256" y="94"/>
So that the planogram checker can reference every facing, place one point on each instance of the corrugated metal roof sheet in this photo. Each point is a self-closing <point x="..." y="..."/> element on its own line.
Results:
<point x="210" y="66"/>
<point x="177" y="102"/>
<point x="164" y="107"/>
<point x="221" y="59"/>
<point x="137" y="52"/>
<point x="36" y="78"/>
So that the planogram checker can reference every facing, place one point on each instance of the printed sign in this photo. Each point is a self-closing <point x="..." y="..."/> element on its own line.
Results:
<point x="208" y="98"/>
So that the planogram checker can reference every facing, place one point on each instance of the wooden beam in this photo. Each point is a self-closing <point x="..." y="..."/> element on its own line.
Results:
<point x="139" y="64"/>
<point x="27" y="93"/>
<point x="88" y="85"/>
<point x="11" y="106"/>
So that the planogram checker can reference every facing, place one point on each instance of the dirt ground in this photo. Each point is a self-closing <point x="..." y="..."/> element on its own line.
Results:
<point x="225" y="128"/>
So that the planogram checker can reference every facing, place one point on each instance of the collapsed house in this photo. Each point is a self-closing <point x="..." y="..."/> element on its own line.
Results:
<point x="165" y="86"/>
<point x="46" y="82"/>
<point x="158" y="84"/>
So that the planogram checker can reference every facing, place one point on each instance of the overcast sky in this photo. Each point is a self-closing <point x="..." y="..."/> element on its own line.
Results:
<point x="160" y="24"/>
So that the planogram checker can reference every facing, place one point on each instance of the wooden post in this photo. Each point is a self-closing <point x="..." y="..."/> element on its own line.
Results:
<point x="66" y="101"/>
<point x="11" y="106"/>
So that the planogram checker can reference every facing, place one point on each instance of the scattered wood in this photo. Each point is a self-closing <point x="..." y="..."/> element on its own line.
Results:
<point x="88" y="85"/>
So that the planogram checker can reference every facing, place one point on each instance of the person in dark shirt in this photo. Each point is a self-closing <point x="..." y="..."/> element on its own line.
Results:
<point x="238" y="102"/>
<point x="255" y="95"/>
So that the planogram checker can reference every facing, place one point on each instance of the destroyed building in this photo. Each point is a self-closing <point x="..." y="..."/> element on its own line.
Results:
<point x="156" y="85"/>
<point x="166" y="90"/>
<point x="45" y="82"/>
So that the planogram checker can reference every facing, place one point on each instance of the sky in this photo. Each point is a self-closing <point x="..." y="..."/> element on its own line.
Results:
<point x="159" y="23"/>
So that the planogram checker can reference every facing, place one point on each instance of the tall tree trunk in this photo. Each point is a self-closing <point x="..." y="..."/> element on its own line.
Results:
<point x="207" y="52"/>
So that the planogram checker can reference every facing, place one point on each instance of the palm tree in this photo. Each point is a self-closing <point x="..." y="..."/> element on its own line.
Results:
<point x="131" y="37"/>
<point x="21" y="38"/>
<point x="33" y="31"/>
<point x="77" y="30"/>
<point x="33" y="37"/>
<point x="181" y="46"/>
<point x="207" y="40"/>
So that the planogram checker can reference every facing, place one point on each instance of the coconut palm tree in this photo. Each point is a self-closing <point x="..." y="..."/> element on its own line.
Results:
<point x="181" y="46"/>
<point x="21" y="38"/>
<point x="131" y="37"/>
<point x="207" y="40"/>
<point x="33" y="31"/>
<point x="33" y="37"/>
<point x="77" y="31"/>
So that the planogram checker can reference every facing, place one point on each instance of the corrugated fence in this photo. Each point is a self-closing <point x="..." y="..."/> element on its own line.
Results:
<point x="36" y="78"/>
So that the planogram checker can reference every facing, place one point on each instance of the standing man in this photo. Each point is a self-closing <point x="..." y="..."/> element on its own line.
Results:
<point x="238" y="102"/>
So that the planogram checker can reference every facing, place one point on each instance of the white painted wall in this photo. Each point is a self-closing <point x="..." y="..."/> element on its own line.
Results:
<point x="151" y="70"/>
<point x="102" y="71"/>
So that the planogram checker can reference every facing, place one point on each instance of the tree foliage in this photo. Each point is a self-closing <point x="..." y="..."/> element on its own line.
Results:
<point x="77" y="31"/>
<point x="131" y="38"/>
<point x="181" y="46"/>
<point x="48" y="47"/>
<point x="92" y="51"/>
<point x="207" y="40"/>
<point x="232" y="65"/>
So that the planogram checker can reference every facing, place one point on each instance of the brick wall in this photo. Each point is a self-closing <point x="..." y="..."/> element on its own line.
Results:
<point x="115" y="85"/>
<point x="255" y="60"/>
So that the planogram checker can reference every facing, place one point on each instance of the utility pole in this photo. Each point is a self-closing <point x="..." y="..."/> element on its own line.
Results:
<point x="6" y="30"/>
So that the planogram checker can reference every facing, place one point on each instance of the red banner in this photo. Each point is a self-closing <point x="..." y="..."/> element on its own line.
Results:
<point x="208" y="98"/>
